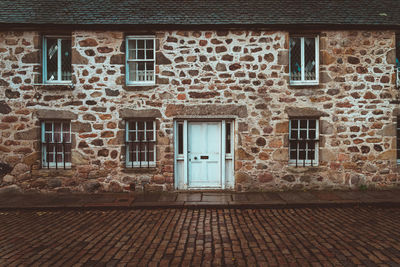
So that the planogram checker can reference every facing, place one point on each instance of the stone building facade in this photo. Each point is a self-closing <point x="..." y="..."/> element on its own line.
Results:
<point x="236" y="77"/>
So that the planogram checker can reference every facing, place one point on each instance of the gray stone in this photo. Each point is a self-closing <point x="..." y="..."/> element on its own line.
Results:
<point x="117" y="59"/>
<point x="325" y="78"/>
<point x="110" y="92"/>
<point x="305" y="112"/>
<point x="31" y="134"/>
<point x="81" y="127"/>
<point x="55" y="114"/>
<point x="9" y="179"/>
<point x="33" y="57"/>
<point x="20" y="168"/>
<point x="280" y="155"/>
<point x="283" y="57"/>
<point x="204" y="110"/>
<point x="357" y="179"/>
<point x="4" y="107"/>
<point x="288" y="178"/>
<point x="11" y="189"/>
<point x="370" y="168"/>
<point x="326" y="127"/>
<point x="391" y="57"/>
<point x="91" y="186"/>
<point x="327" y="155"/>
<point x="145" y="113"/>
<point x="388" y="130"/>
<point x="77" y="58"/>
<point x="54" y="182"/>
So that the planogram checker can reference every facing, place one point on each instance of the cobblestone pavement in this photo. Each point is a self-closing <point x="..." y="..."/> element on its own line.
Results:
<point x="209" y="237"/>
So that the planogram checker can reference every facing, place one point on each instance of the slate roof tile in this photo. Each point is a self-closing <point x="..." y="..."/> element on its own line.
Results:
<point x="201" y="12"/>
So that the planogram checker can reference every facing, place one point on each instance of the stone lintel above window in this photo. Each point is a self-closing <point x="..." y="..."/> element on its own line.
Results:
<point x="45" y="114"/>
<point x="134" y="113"/>
<point x="296" y="112"/>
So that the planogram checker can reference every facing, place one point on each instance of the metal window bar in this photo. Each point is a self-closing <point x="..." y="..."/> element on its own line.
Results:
<point x="47" y="144"/>
<point x="139" y="146"/>
<point x="308" y="143"/>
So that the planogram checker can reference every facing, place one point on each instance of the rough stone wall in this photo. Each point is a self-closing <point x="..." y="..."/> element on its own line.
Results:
<point x="241" y="74"/>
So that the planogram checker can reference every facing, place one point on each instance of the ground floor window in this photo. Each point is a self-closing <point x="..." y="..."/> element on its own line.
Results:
<point x="56" y="144"/>
<point x="140" y="141"/>
<point x="398" y="140"/>
<point x="303" y="142"/>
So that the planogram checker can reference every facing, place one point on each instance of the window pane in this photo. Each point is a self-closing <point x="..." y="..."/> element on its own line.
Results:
<point x="132" y="71"/>
<point x="309" y="62"/>
<point x="180" y="138"/>
<point x="228" y="138"/>
<point x="52" y="58"/>
<point x="311" y="134"/>
<point x="132" y="49"/>
<point x="312" y="124"/>
<point x="140" y="44"/>
<point x="141" y="73"/>
<point x="140" y="54"/>
<point x="151" y="152"/>
<point x="303" y="124"/>
<point x="295" y="59"/>
<point x="57" y="132"/>
<point x="66" y="67"/>
<point x="149" y="44"/>
<point x="149" y="54"/>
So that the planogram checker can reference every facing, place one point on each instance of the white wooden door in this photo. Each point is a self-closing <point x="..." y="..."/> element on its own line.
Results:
<point x="204" y="154"/>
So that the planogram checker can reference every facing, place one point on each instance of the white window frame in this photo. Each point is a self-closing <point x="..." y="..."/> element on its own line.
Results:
<point x="299" y="162"/>
<point x="127" y="60"/>
<point x="44" y="147"/>
<point x="59" y="68"/>
<point x="303" y="81"/>
<point x="137" y="164"/>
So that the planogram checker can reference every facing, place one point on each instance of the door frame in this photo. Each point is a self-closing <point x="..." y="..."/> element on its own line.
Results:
<point x="182" y="159"/>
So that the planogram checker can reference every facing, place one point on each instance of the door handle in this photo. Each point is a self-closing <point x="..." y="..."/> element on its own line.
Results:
<point x="203" y="157"/>
<point x="195" y="158"/>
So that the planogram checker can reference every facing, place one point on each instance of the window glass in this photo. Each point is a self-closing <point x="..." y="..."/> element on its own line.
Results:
<point x="295" y="59"/>
<point x="52" y="59"/>
<point x="140" y="144"/>
<point x="66" y="67"/>
<point x="309" y="58"/>
<point x="140" y="63"/>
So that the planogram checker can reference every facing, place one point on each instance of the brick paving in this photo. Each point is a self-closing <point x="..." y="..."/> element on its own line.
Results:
<point x="366" y="236"/>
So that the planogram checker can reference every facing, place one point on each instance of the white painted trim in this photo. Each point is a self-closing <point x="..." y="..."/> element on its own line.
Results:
<point x="175" y="154"/>
<point x="127" y="60"/>
<point x="59" y="60"/>
<point x="303" y="81"/>
<point x="185" y="153"/>
<point x="223" y="159"/>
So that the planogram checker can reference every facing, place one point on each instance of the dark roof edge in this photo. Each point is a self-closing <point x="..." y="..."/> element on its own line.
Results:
<point x="289" y="27"/>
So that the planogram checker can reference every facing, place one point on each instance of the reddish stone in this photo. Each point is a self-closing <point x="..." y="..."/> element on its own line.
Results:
<point x="265" y="177"/>
<point x="88" y="42"/>
<point x="9" y="119"/>
<point x="104" y="49"/>
<point x="107" y="134"/>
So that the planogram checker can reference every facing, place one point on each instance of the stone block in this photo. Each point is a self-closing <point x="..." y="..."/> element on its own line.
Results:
<point x="55" y="114"/>
<point x="77" y="58"/>
<point x="305" y="112"/>
<point x="31" y="134"/>
<point x="4" y="107"/>
<point x="145" y="113"/>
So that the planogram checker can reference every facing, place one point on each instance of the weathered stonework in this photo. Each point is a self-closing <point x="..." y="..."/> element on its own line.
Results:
<point x="228" y="74"/>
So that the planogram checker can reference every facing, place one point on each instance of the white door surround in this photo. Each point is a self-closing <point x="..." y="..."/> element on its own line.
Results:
<point x="203" y="154"/>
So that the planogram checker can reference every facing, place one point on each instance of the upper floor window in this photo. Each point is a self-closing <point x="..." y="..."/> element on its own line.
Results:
<point x="57" y="66"/>
<point x="303" y="142"/>
<point x="56" y="144"/>
<point x="140" y="60"/>
<point x="140" y="141"/>
<point x="303" y="60"/>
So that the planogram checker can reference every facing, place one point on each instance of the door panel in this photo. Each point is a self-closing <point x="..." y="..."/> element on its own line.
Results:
<point x="204" y="154"/>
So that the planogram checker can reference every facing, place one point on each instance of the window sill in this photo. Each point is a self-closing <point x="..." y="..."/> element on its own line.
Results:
<point x="55" y="87"/>
<point x="139" y="87"/>
<point x="140" y="170"/>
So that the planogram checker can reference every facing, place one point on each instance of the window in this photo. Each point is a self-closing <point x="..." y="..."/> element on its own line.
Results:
<point x="56" y="144"/>
<point x="303" y="142"/>
<point x="57" y="66"/>
<point x="140" y="60"/>
<point x="398" y="60"/>
<point x="140" y="141"/>
<point x="303" y="60"/>
<point x="398" y="140"/>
